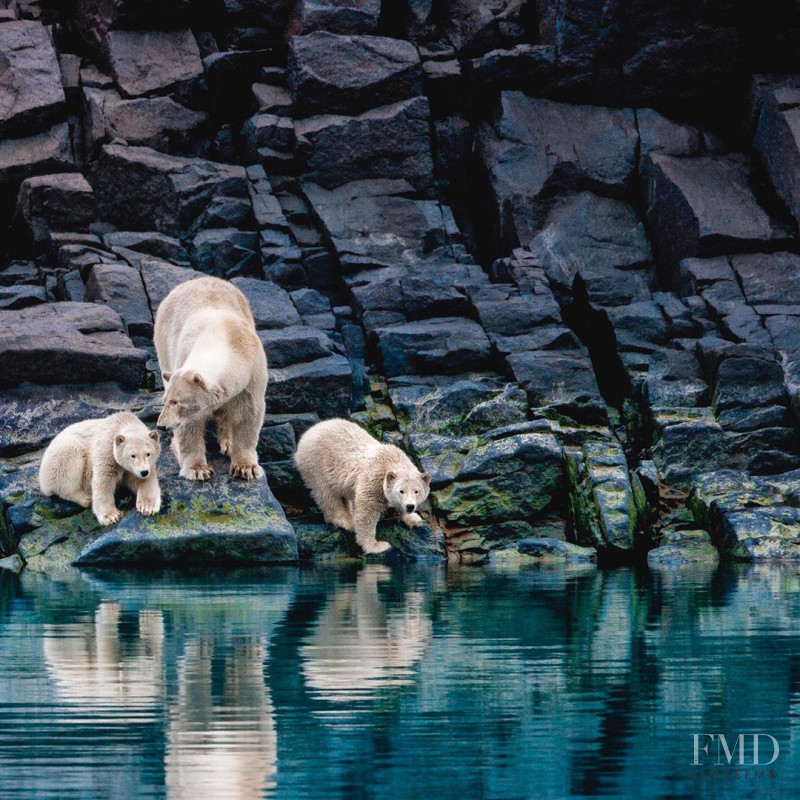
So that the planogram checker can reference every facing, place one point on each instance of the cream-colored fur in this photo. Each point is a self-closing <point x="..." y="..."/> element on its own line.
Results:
<point x="88" y="460"/>
<point x="353" y="478"/>
<point x="213" y="364"/>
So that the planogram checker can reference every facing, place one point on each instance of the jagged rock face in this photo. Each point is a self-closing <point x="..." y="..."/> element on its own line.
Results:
<point x="547" y="248"/>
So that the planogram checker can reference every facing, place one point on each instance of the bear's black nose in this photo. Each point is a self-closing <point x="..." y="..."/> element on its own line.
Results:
<point x="161" y="427"/>
<point x="409" y="507"/>
<point x="145" y="472"/>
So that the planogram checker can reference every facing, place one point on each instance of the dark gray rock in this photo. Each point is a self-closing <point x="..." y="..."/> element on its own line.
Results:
<point x="149" y="243"/>
<point x="686" y="447"/>
<point x="536" y="146"/>
<point x="392" y="141"/>
<point x="776" y="142"/>
<point x="294" y="345"/>
<point x="121" y="288"/>
<point x="226" y="252"/>
<point x="333" y="74"/>
<point x="456" y="406"/>
<point x="143" y="61"/>
<point x="52" y="203"/>
<point x="141" y="189"/>
<point x="684" y="548"/>
<point x="14" y="297"/>
<point x="271" y="305"/>
<point x="157" y="122"/>
<point x="504" y="311"/>
<point x="40" y="154"/>
<point x="703" y="207"/>
<point x="322" y="386"/>
<point x="67" y="343"/>
<point x="268" y="133"/>
<point x="475" y="27"/>
<point x="747" y="382"/>
<point x="524" y="66"/>
<point x="564" y="382"/>
<point x="543" y="551"/>
<point x="438" y="346"/>
<point x="375" y="223"/>
<point x="591" y="236"/>
<point x="222" y="520"/>
<point x="659" y="134"/>
<point x="339" y="16"/>
<point x="160" y="278"/>
<point x="30" y="416"/>
<point x="769" y="279"/>
<point x="31" y="94"/>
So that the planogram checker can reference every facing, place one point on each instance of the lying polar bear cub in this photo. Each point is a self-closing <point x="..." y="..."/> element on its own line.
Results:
<point x="88" y="460"/>
<point x="353" y="478"/>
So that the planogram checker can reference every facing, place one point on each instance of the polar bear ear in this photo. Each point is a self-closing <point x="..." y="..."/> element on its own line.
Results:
<point x="167" y="375"/>
<point x="426" y="478"/>
<point x="199" y="380"/>
<point x="119" y="439"/>
<point x="153" y="435"/>
<point x="390" y="478"/>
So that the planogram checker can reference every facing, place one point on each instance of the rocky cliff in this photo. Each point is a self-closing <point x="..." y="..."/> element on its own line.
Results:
<point x="550" y="248"/>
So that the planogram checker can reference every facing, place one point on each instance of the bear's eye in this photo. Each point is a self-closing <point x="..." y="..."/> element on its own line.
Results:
<point x="416" y="491"/>
<point x="147" y="455"/>
<point x="401" y="492"/>
<point x="173" y="402"/>
<point x="132" y="455"/>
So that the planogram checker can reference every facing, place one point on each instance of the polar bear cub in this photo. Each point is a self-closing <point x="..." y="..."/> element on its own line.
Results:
<point x="88" y="460"/>
<point x="213" y="364"/>
<point x="353" y="478"/>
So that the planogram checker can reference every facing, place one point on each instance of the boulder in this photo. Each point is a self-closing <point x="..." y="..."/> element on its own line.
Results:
<point x="542" y="551"/>
<point x="49" y="203"/>
<point x="145" y="61"/>
<point x="348" y="17"/>
<point x="537" y="146"/>
<point x="456" y="406"/>
<point x="564" y="382"/>
<point x="448" y="345"/>
<point x="68" y="343"/>
<point x="141" y="189"/>
<point x="375" y="223"/>
<point x="121" y="288"/>
<point x="160" y="278"/>
<point x="334" y="74"/>
<point x="41" y="154"/>
<point x="30" y="415"/>
<point x="591" y="236"/>
<point x="31" y="93"/>
<point x="157" y="122"/>
<point x="13" y="297"/>
<point x="94" y="20"/>
<point x="322" y="386"/>
<point x="223" y="520"/>
<point x="226" y="252"/>
<point x="517" y="477"/>
<point x="683" y="548"/>
<point x="294" y="345"/>
<point x="776" y="142"/>
<point x="271" y="305"/>
<point x="703" y="207"/>
<point x="392" y="141"/>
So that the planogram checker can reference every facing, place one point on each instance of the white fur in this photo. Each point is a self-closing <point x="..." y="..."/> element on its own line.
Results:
<point x="353" y="478"/>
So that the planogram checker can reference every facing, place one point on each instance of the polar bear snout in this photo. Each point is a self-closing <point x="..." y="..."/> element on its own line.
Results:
<point x="143" y="473"/>
<point x="410" y="507"/>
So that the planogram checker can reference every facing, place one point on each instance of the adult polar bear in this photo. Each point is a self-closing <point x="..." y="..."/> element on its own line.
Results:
<point x="213" y="364"/>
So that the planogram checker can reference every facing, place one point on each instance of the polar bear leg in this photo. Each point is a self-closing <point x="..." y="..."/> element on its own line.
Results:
<point x="365" y="521"/>
<point x="190" y="446"/>
<point x="241" y="421"/>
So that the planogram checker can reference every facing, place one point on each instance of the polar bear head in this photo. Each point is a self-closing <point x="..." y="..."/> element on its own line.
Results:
<point x="406" y="489"/>
<point x="137" y="453"/>
<point x="187" y="395"/>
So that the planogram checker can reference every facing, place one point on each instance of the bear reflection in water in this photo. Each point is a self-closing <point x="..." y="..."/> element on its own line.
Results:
<point x="221" y="742"/>
<point x="360" y="643"/>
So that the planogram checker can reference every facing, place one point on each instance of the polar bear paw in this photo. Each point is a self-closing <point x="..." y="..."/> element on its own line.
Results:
<point x="198" y="472"/>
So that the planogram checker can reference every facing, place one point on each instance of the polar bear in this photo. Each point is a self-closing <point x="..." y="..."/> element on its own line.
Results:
<point x="88" y="460"/>
<point x="353" y="478"/>
<point x="213" y="364"/>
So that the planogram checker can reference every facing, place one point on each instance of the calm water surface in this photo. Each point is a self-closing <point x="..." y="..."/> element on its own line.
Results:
<point x="384" y="682"/>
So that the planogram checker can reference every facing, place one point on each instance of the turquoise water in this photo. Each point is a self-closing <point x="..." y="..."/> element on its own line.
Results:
<point x="379" y="682"/>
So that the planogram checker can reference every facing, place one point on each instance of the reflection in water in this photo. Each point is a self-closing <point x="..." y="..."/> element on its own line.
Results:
<point x="358" y="645"/>
<point x="449" y="683"/>
<point x="93" y="664"/>
<point x="221" y="742"/>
